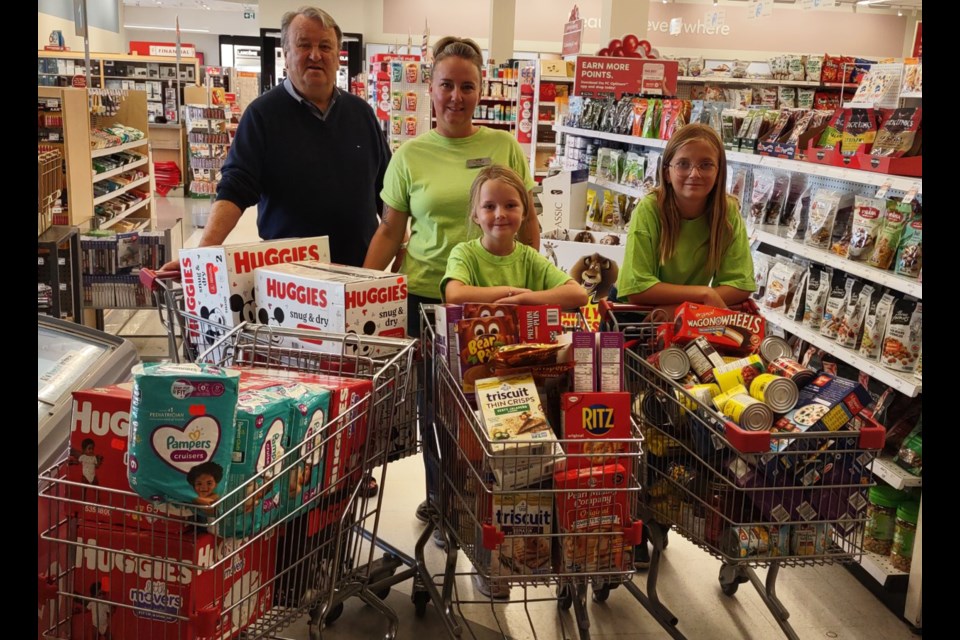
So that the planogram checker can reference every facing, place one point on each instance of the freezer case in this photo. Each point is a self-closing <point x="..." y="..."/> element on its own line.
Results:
<point x="71" y="357"/>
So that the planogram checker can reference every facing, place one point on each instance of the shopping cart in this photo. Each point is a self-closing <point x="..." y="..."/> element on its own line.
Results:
<point x="547" y="562"/>
<point x="49" y="184"/>
<point x="749" y="498"/>
<point x="171" y="571"/>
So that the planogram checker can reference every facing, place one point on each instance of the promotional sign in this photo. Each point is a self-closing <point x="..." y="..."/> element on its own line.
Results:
<point x="143" y="48"/>
<point x="572" y="37"/>
<point x="617" y="76"/>
<point x="917" y="40"/>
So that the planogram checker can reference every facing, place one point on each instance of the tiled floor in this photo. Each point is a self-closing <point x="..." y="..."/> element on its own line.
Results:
<point x="824" y="602"/>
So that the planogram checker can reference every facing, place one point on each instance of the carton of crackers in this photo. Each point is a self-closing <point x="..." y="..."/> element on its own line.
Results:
<point x="526" y="520"/>
<point x="596" y="424"/>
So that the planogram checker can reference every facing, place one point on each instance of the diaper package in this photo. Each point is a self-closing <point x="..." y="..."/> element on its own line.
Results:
<point x="181" y="428"/>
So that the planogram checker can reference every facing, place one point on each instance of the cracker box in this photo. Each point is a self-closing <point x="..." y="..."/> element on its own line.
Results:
<point x="539" y="323"/>
<point x="593" y="500"/>
<point x="514" y="417"/>
<point x="526" y="520"/>
<point x="479" y="339"/>
<point x="158" y="578"/>
<point x="448" y="342"/>
<point x="98" y="460"/>
<point x="584" y="361"/>
<point x="218" y="282"/>
<point x="730" y="331"/>
<point x="334" y="298"/>
<point x="591" y="424"/>
<point x="532" y="471"/>
<point x="610" y="361"/>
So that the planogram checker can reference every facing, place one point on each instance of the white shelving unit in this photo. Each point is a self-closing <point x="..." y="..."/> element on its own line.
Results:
<point x="905" y="383"/>
<point x="752" y="81"/>
<point x="113" y="194"/>
<point x="96" y="153"/>
<point x="536" y="166"/>
<point x="768" y="234"/>
<point x="615" y="186"/>
<point x="879" y="567"/>
<point x="126" y="214"/>
<point x="894" y="475"/>
<point x="97" y="177"/>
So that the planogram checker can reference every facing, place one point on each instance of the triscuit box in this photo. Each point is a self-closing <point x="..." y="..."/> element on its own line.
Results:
<point x="514" y="417"/>
<point x="596" y="426"/>
<point x="333" y="298"/>
<point x="98" y="460"/>
<point x="592" y="506"/>
<point x="526" y="520"/>
<point x="162" y="581"/>
<point x="527" y="472"/>
<point x="218" y="282"/>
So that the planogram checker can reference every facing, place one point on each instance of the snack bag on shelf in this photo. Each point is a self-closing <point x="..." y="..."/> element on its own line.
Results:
<point x="875" y="325"/>
<point x="764" y="181"/>
<point x="910" y="255"/>
<point x="859" y="131"/>
<point x="904" y="336"/>
<point x="867" y="220"/>
<point x="795" y="220"/>
<point x="814" y="67"/>
<point x="795" y="310"/>
<point x="796" y="67"/>
<point x="821" y="218"/>
<point x="899" y="134"/>
<point x="841" y="295"/>
<point x="787" y="97"/>
<point x="833" y="134"/>
<point x="826" y="100"/>
<point x="768" y="96"/>
<point x="778" y="198"/>
<point x="761" y="270"/>
<point x="651" y="123"/>
<point x="831" y="69"/>
<point x="805" y="98"/>
<point x="781" y="286"/>
<point x="738" y="175"/>
<point x="640" y="106"/>
<point x="848" y="335"/>
<point x="888" y="239"/>
<point x="815" y="302"/>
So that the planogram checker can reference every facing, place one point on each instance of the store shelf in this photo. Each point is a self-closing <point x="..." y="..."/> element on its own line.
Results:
<point x="97" y="177"/>
<point x="106" y="224"/>
<point x="97" y="153"/>
<point x="893" y="474"/>
<point x="879" y="567"/>
<point x="912" y="94"/>
<point x="113" y="194"/>
<point x="548" y="123"/>
<point x="547" y="104"/>
<point x="492" y="99"/>
<point x="169" y="146"/>
<point x="500" y="122"/>
<point x="615" y="186"/>
<point x="546" y="145"/>
<point x="556" y="79"/>
<point x="840" y="173"/>
<point x="903" y="382"/>
<point x="542" y="172"/>
<point x="729" y="80"/>
<point x="768" y="234"/>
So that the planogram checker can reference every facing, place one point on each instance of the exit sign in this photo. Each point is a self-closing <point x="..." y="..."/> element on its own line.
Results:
<point x="249" y="15"/>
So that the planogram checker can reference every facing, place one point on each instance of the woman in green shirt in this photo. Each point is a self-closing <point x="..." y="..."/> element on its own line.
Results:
<point x="687" y="241"/>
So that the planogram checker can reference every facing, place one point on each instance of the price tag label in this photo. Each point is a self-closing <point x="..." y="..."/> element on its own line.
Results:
<point x="53" y="137"/>
<point x="41" y="262"/>
<point x="63" y="286"/>
<point x="909" y="196"/>
<point x="56" y="210"/>
<point x="882" y="191"/>
<point x="62" y="261"/>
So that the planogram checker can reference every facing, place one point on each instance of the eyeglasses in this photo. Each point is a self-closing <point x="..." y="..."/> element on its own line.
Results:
<point x="685" y="167"/>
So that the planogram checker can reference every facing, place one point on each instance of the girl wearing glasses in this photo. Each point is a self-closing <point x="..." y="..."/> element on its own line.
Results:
<point x="687" y="241"/>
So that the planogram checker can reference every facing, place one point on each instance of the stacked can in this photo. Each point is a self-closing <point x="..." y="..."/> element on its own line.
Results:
<point x="789" y="368"/>
<point x="779" y="393"/>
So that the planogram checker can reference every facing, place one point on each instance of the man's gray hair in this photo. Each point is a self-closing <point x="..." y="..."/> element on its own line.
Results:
<point x="313" y="13"/>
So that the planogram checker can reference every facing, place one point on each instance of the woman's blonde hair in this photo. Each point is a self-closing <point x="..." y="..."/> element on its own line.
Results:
<point x="454" y="47"/>
<point x="504" y="174"/>
<point x="721" y="231"/>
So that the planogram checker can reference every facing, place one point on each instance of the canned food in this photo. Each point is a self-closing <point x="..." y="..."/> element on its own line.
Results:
<point x="741" y="371"/>
<point x="789" y="368"/>
<point x="809" y="539"/>
<point x="778" y="393"/>
<point x="746" y="542"/>
<point x="658" y="410"/>
<point x="703" y="359"/>
<point x="672" y="362"/>
<point x="779" y="539"/>
<point x="701" y="394"/>
<point x="721" y="399"/>
<point x="774" y="347"/>
<point x="748" y="412"/>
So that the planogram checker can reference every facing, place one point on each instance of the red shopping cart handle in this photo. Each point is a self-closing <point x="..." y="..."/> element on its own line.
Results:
<point x="872" y="436"/>
<point x="634" y="532"/>
<point x="205" y="621"/>
<point x="46" y="587"/>
<point x="148" y="277"/>
<point x="491" y="537"/>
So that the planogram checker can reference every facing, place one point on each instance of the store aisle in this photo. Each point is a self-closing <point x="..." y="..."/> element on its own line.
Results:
<point x="824" y="602"/>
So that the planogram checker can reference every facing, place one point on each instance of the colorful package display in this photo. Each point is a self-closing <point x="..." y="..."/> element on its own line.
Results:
<point x="182" y="422"/>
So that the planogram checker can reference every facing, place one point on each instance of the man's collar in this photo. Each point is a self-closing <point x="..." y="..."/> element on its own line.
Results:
<point x="288" y="85"/>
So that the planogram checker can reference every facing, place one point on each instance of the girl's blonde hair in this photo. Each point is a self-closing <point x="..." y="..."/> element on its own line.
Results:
<point x="721" y="230"/>
<point x="454" y="47"/>
<point x="504" y="174"/>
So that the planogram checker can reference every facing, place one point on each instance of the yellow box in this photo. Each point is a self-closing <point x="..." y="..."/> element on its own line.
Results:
<point x="554" y="68"/>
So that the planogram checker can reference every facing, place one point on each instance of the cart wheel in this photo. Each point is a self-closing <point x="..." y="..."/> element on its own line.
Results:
<point x="730" y="579"/>
<point x="600" y="594"/>
<point x="334" y="613"/>
<point x="730" y="589"/>
<point x="564" y="598"/>
<point x="420" y="601"/>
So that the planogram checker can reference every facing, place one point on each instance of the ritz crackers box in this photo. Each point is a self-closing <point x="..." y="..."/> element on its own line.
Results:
<point x="218" y="282"/>
<point x="335" y="298"/>
<point x="596" y="424"/>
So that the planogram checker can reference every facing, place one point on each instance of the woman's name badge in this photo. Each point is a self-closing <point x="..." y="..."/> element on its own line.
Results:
<point x="476" y="163"/>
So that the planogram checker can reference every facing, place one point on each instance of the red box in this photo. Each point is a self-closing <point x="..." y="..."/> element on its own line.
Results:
<point x="98" y="451"/>
<point x="732" y="332"/>
<point x="539" y="323"/>
<point x="593" y="499"/>
<point x="591" y="423"/>
<point x="162" y="587"/>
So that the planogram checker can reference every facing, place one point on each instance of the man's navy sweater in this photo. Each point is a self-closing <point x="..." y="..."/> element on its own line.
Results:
<point x="311" y="177"/>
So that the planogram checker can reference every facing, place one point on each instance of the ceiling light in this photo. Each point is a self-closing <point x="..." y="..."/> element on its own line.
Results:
<point x="149" y="28"/>
<point x="716" y="2"/>
<point x="869" y="2"/>
<point x="899" y="13"/>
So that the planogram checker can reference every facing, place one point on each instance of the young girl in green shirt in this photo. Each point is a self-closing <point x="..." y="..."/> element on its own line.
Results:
<point x="495" y="267"/>
<point x="687" y="241"/>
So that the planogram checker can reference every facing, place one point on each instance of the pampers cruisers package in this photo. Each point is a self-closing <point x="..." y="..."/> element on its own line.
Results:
<point x="181" y="428"/>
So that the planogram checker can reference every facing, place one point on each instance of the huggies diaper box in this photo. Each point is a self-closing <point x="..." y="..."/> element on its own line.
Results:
<point x="218" y="282"/>
<point x="334" y="298"/>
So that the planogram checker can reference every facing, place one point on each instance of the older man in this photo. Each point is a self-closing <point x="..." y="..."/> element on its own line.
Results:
<point x="313" y="157"/>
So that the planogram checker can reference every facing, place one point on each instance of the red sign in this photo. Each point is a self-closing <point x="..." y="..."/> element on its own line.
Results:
<point x="917" y="38"/>
<point x="162" y="49"/>
<point x="387" y="57"/>
<point x="596" y="75"/>
<point x="383" y="96"/>
<point x="79" y="81"/>
<point x="572" y="36"/>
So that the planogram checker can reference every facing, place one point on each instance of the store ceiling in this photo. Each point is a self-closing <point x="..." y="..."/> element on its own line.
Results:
<point x="210" y="5"/>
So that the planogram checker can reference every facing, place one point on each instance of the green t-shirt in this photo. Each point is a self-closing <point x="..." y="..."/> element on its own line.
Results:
<point x="473" y="265"/>
<point x="688" y="266"/>
<point x="428" y="177"/>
